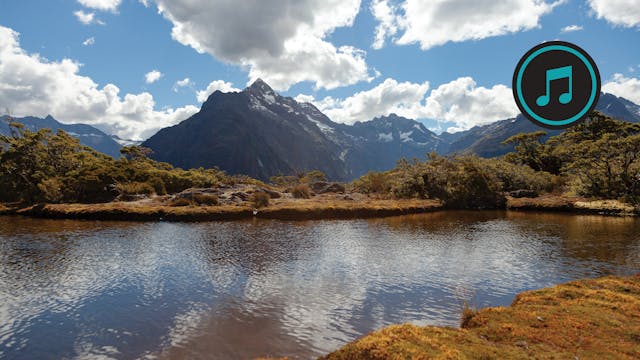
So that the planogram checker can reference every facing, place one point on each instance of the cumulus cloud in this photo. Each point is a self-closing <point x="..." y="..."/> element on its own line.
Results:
<point x="221" y="85"/>
<point x="618" y="12"/>
<point x="85" y="18"/>
<point x="153" y="76"/>
<point x="89" y="41"/>
<point x="628" y="88"/>
<point x="460" y="101"/>
<point x="104" y="5"/>
<point x="571" y="28"/>
<point x="186" y="82"/>
<point x="281" y="41"/>
<point x="433" y="23"/>
<point x="32" y="85"/>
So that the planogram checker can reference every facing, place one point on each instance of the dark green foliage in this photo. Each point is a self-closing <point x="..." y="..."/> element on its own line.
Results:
<point x="46" y="167"/>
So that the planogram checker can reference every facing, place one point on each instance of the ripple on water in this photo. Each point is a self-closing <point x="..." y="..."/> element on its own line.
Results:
<point x="298" y="289"/>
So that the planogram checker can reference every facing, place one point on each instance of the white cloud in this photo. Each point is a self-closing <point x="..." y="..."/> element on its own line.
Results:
<point x="460" y="101"/>
<point x="153" y="76"/>
<point x="618" y="12"/>
<point x="221" y="85"/>
<point x="85" y="18"/>
<point x="281" y="41"/>
<point x="628" y="88"/>
<point x="32" y="85"/>
<point x="186" y="82"/>
<point x="433" y="23"/>
<point x="571" y="28"/>
<point x="104" y="5"/>
<point x="387" y="27"/>
<point x="89" y="41"/>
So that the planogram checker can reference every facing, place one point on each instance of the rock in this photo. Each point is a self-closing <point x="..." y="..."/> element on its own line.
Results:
<point x="272" y="194"/>
<point x="322" y="187"/>
<point x="523" y="193"/>
<point x="190" y="193"/>
<point x="347" y="197"/>
<point x="241" y="195"/>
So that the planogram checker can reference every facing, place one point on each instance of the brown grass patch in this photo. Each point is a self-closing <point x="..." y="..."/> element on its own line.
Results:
<point x="586" y="319"/>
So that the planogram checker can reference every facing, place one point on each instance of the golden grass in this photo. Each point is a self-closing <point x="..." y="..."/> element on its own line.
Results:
<point x="293" y="209"/>
<point x="585" y="319"/>
<point x="551" y="202"/>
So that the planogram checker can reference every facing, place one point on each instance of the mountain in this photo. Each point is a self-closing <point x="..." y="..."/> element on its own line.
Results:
<point x="486" y="140"/>
<point x="88" y="135"/>
<point x="379" y="143"/>
<point x="255" y="132"/>
<point x="259" y="133"/>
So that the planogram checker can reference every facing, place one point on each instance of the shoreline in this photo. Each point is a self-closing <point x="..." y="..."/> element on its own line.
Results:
<point x="301" y="209"/>
<point x="579" y="319"/>
<point x="291" y="210"/>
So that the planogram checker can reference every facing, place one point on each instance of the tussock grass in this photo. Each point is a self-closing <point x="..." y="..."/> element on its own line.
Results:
<point x="290" y="209"/>
<point x="585" y="319"/>
<point x="551" y="202"/>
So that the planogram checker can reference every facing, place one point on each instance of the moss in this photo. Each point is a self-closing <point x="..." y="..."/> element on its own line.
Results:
<point x="586" y="319"/>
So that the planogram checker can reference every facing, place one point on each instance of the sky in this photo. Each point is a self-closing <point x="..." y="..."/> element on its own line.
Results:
<point x="132" y="67"/>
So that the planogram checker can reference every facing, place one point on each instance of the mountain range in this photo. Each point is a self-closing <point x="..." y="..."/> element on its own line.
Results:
<point x="260" y="133"/>
<point x="88" y="135"/>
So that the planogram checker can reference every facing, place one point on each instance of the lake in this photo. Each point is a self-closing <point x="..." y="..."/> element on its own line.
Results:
<point x="275" y="288"/>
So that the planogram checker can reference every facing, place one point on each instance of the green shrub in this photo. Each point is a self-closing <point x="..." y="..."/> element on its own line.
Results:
<point x="301" y="191"/>
<point x="373" y="183"/>
<point x="158" y="185"/>
<point x="51" y="190"/>
<point x="260" y="199"/>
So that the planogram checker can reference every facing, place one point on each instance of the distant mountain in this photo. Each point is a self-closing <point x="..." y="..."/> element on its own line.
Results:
<point x="378" y="144"/>
<point x="259" y="133"/>
<point x="126" y="142"/>
<point x="88" y="135"/>
<point x="486" y="140"/>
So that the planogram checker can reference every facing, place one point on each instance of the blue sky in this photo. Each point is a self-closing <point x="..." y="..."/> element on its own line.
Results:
<point x="446" y="63"/>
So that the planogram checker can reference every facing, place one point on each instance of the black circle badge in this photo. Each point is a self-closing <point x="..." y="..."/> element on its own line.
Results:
<point x="556" y="84"/>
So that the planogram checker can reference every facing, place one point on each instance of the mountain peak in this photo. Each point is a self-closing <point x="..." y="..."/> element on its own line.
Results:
<point x="260" y="86"/>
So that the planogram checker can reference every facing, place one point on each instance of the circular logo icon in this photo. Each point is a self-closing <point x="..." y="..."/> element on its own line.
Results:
<point x="556" y="84"/>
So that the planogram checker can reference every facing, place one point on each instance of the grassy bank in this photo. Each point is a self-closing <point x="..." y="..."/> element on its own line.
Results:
<point x="586" y="319"/>
<point x="318" y="207"/>
<point x="289" y="209"/>
<point x="571" y="204"/>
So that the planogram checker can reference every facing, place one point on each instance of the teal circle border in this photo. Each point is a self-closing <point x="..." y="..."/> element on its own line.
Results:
<point x="579" y="115"/>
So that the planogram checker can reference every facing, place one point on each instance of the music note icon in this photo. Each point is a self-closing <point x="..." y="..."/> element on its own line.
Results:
<point x="557" y="74"/>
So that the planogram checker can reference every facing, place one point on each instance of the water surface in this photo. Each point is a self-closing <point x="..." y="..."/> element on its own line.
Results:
<point x="274" y="288"/>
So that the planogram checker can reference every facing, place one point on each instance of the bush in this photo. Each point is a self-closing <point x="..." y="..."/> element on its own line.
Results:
<point x="260" y="199"/>
<point x="158" y="185"/>
<point x="373" y="183"/>
<point x="180" y="202"/>
<point x="520" y="177"/>
<point x="205" y="199"/>
<point x="51" y="190"/>
<point x="301" y="192"/>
